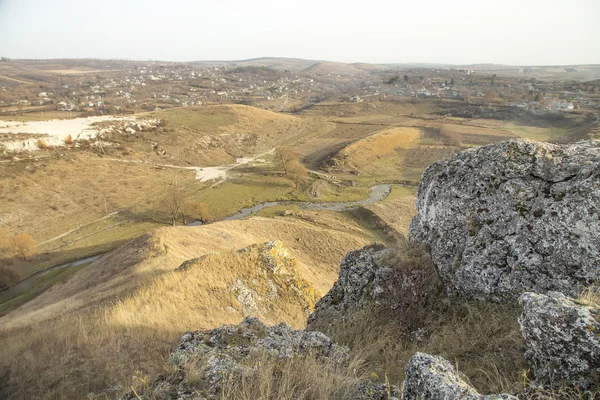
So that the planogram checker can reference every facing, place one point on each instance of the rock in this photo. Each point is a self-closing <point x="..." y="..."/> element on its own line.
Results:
<point x="368" y="390"/>
<point x="275" y="257"/>
<point x="231" y="351"/>
<point x="562" y="339"/>
<point x="377" y="278"/>
<point x="274" y="281"/>
<point x="513" y="217"/>
<point x="433" y="378"/>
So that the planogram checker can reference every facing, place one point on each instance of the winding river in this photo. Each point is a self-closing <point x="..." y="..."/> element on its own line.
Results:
<point x="378" y="193"/>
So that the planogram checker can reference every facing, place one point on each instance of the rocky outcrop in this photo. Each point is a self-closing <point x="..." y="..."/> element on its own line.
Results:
<point x="229" y="353"/>
<point x="209" y="363"/>
<point x="513" y="217"/>
<point x="283" y="279"/>
<point x="375" y="278"/>
<point x="433" y="378"/>
<point x="563" y="340"/>
<point x="269" y="279"/>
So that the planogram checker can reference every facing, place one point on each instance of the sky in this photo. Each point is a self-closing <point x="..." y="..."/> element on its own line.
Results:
<point x="516" y="32"/>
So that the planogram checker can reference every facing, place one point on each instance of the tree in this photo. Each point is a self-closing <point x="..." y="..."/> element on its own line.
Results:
<point x="173" y="203"/>
<point x="450" y="137"/>
<point x="196" y="211"/>
<point x="286" y="154"/>
<point x="297" y="172"/>
<point x="24" y="245"/>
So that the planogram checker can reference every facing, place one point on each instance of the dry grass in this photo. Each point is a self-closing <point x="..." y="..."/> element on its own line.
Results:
<point x="590" y="296"/>
<point x="398" y="209"/>
<point x="298" y="379"/>
<point x="202" y="297"/>
<point x="113" y="324"/>
<point x="381" y="145"/>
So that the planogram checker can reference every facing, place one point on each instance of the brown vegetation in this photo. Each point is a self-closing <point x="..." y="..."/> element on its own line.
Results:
<point x="451" y="137"/>
<point x="292" y="167"/>
<point x="24" y="245"/>
<point x="42" y="144"/>
<point x="116" y="333"/>
<point x="297" y="173"/>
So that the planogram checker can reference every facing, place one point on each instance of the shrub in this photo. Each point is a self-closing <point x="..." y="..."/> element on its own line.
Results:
<point x="24" y="245"/>
<point x="69" y="140"/>
<point x="42" y="144"/>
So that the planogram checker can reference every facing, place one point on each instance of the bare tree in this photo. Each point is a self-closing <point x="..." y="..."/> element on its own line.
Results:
<point x="173" y="203"/>
<point x="286" y="154"/>
<point x="297" y="173"/>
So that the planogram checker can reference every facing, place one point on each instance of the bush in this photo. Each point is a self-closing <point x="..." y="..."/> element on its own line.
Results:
<point x="69" y="140"/>
<point x="24" y="245"/>
<point x="42" y="144"/>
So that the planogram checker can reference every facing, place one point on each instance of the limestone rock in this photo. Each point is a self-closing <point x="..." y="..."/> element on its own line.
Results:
<point x="371" y="278"/>
<point x="513" y="217"/>
<point x="563" y="340"/>
<point x="433" y="378"/>
<point x="230" y="351"/>
<point x="368" y="390"/>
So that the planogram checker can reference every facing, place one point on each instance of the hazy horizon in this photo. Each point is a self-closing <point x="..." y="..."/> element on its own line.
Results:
<point x="464" y="32"/>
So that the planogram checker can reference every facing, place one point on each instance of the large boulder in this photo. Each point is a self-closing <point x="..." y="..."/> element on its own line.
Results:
<point x="377" y="278"/>
<point x="513" y="217"/>
<point x="434" y="378"/>
<point x="562" y="339"/>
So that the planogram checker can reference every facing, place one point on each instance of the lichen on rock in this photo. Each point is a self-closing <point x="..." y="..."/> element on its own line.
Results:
<point x="562" y="339"/>
<point x="229" y="353"/>
<point x="377" y="279"/>
<point x="434" y="378"/>
<point x="513" y="217"/>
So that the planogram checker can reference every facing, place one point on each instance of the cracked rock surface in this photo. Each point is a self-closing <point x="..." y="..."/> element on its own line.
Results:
<point x="562" y="339"/>
<point x="513" y="217"/>
<point x="434" y="378"/>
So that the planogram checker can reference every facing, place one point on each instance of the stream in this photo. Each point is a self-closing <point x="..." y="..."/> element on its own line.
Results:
<point x="378" y="193"/>
<point x="31" y="280"/>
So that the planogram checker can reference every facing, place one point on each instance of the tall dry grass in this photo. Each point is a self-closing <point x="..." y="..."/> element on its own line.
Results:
<point x="127" y="341"/>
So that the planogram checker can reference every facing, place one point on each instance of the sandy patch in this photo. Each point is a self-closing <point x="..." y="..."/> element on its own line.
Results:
<point x="55" y="132"/>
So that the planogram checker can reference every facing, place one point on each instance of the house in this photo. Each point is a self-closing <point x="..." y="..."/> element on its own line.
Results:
<point x="64" y="106"/>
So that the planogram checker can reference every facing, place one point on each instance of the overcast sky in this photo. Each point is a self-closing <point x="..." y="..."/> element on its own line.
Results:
<point x="531" y="32"/>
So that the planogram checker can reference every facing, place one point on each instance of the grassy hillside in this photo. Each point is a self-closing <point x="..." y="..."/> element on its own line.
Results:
<point x="114" y="321"/>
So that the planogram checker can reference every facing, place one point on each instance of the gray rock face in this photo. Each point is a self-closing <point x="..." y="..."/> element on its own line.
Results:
<point x="368" y="390"/>
<point x="563" y="340"/>
<point x="433" y="378"/>
<point x="513" y="217"/>
<point x="368" y="278"/>
<point x="228" y="351"/>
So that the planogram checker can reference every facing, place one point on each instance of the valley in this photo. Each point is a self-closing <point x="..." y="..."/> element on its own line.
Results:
<point x="164" y="197"/>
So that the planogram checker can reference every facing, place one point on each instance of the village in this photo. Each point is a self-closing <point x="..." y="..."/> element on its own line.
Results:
<point x="130" y="87"/>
